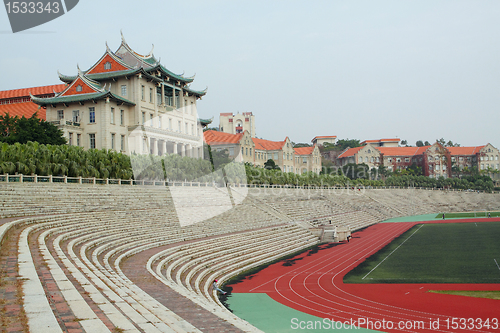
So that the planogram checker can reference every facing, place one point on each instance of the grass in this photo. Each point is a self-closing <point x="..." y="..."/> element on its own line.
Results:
<point x="436" y="253"/>
<point x="469" y="214"/>
<point x="470" y="293"/>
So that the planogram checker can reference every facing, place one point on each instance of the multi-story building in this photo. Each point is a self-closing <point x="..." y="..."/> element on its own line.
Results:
<point x="307" y="159"/>
<point x="435" y="160"/>
<point x="237" y="123"/>
<point x="130" y="103"/>
<point x="242" y="147"/>
<point x="320" y="140"/>
<point x="239" y="147"/>
<point x="382" y="142"/>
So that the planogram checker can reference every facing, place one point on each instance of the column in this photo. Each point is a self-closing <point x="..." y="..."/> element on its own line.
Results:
<point x="173" y="98"/>
<point x="155" y="146"/>
<point x="183" y="150"/>
<point x="162" y="94"/>
<point x="175" y="147"/>
<point x="165" y="147"/>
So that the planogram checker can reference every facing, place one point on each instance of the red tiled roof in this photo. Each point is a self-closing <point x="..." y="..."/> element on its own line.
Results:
<point x="402" y="151"/>
<point x="262" y="144"/>
<point x="226" y="114"/>
<point x="34" y="91"/>
<point x="22" y="109"/>
<point x="350" y="152"/>
<point x="221" y="138"/>
<point x="324" y="137"/>
<point x="304" y="150"/>
<point x="464" y="150"/>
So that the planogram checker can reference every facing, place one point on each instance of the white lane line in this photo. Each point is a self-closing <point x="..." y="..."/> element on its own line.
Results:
<point x="391" y="252"/>
<point x="497" y="263"/>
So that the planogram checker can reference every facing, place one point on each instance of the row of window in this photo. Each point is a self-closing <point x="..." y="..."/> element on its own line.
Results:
<point x="92" y="140"/>
<point x="151" y="123"/>
<point x="92" y="117"/>
<point x="492" y="166"/>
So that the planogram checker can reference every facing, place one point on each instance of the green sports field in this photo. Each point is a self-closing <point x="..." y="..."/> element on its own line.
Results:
<point x="465" y="215"/>
<point x="436" y="253"/>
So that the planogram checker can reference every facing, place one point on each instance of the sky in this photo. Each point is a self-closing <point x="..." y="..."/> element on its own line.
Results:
<point x="416" y="70"/>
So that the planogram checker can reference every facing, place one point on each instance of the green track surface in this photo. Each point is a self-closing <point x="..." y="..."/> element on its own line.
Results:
<point x="436" y="253"/>
<point x="467" y="215"/>
<point x="270" y="316"/>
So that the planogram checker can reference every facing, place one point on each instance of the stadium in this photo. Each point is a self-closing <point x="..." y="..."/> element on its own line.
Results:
<point x="123" y="257"/>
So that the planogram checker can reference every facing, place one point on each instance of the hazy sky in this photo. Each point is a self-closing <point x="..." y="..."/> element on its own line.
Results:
<point x="417" y="70"/>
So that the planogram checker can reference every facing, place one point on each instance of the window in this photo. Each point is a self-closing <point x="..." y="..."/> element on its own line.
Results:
<point x="76" y="116"/>
<point x="107" y="65"/>
<point x="79" y="88"/>
<point x="122" y="117"/>
<point x="112" y="140"/>
<point x="186" y="128"/>
<point x="151" y="119"/>
<point x="250" y="151"/>
<point x="159" y="121"/>
<point x="430" y="158"/>
<point x="304" y="160"/>
<point x="122" y="143"/>
<point x="124" y="90"/>
<point x="170" y="123"/>
<point x="143" y="117"/>
<point x="92" y="115"/>
<point x="112" y="115"/>
<point x="142" y="93"/>
<point x="366" y="159"/>
<point x="92" y="140"/>
<point x="246" y="151"/>
<point x="192" y="129"/>
<point x="179" y="126"/>
<point x="78" y="139"/>
<point x="70" y="140"/>
<point x="60" y="114"/>
<point x="389" y="160"/>
<point x="398" y="160"/>
<point x="407" y="159"/>
<point x="150" y="95"/>
<point x="460" y="159"/>
<point x="453" y="159"/>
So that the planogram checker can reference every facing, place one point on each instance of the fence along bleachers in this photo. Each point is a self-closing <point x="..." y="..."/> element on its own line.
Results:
<point x="93" y="228"/>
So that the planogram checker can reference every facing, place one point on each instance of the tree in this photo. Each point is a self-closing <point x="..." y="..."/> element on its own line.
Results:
<point x="343" y="144"/>
<point x="419" y="143"/>
<point x="211" y="129"/>
<point x="404" y="143"/>
<point x="23" y="130"/>
<point x="427" y="143"/>
<point x="299" y="145"/>
<point x="271" y="165"/>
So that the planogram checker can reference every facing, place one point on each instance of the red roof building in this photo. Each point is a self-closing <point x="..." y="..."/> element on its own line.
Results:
<point x="17" y="102"/>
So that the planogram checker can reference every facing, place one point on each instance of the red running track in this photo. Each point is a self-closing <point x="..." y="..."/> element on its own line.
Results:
<point x="313" y="283"/>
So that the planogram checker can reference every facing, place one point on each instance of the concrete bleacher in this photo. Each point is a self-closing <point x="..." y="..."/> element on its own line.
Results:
<point x="85" y="233"/>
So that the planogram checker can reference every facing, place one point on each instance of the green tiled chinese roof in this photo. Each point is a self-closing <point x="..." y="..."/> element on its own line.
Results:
<point x="110" y="75"/>
<point x="81" y="98"/>
<point x="196" y="92"/>
<point x="205" y="122"/>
